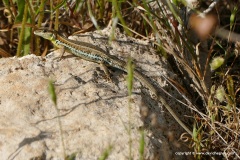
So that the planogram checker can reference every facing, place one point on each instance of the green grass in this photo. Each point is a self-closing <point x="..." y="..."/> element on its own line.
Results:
<point x="51" y="89"/>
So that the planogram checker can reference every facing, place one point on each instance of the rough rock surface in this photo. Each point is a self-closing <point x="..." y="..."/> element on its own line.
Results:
<point x="94" y="111"/>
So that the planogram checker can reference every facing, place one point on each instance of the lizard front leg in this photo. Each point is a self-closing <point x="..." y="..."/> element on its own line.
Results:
<point x="62" y="51"/>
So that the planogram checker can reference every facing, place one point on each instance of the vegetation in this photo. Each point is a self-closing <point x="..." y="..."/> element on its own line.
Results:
<point x="207" y="64"/>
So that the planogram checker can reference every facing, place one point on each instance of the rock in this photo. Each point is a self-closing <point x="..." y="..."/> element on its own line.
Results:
<point x="93" y="111"/>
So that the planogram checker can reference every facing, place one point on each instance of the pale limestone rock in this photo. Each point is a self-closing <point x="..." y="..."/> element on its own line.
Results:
<point x="94" y="112"/>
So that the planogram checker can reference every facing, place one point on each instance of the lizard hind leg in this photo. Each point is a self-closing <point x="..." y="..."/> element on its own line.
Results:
<point x="106" y="71"/>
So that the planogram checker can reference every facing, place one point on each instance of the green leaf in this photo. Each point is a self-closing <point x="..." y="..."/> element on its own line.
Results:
<point x="233" y="16"/>
<point x="230" y="87"/>
<point x="130" y="69"/>
<point x="117" y="8"/>
<point x="93" y="19"/>
<point x="20" y="7"/>
<point x="71" y="157"/>
<point x="6" y="3"/>
<point x="25" y="32"/>
<point x="26" y="41"/>
<point x="106" y="153"/>
<point x="216" y="63"/>
<point x="59" y="5"/>
<point x="220" y="93"/>
<point x="142" y="145"/>
<point x="51" y="90"/>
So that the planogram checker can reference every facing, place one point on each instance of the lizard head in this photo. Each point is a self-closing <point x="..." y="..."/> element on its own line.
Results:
<point x="46" y="34"/>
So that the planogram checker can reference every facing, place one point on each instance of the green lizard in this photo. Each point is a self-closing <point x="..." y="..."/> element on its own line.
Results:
<point x="95" y="54"/>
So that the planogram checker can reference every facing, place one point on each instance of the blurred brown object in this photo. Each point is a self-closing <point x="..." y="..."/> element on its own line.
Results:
<point x="4" y="53"/>
<point x="203" y="25"/>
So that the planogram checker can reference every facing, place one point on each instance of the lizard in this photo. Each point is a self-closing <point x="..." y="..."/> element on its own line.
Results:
<point x="90" y="52"/>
